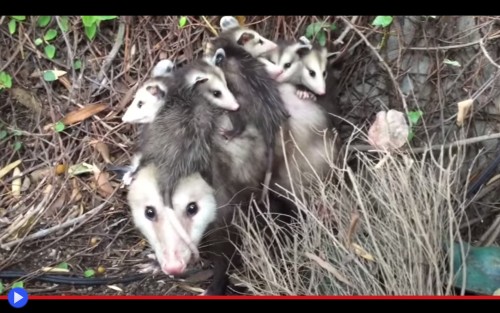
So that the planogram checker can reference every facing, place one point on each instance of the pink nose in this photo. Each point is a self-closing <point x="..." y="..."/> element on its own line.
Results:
<point x="173" y="268"/>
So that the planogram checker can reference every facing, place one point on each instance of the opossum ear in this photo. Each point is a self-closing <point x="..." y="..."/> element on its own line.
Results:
<point x="304" y="41"/>
<point x="302" y="49"/>
<point x="228" y="22"/>
<point x="197" y="80"/>
<point x="163" y="68"/>
<point x="244" y="38"/>
<point x="156" y="90"/>
<point x="218" y="57"/>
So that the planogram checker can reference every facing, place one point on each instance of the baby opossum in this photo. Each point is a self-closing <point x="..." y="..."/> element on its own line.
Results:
<point x="256" y="91"/>
<point x="151" y="95"/>
<point x="308" y="122"/>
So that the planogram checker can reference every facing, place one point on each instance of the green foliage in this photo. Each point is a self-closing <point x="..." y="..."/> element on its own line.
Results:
<point x="13" y="23"/>
<point x="5" y="81"/>
<point x="59" y="127"/>
<point x="414" y="117"/>
<point x="89" y="273"/>
<point x="2" y="288"/>
<point x="319" y="31"/>
<point x="19" y="284"/>
<point x="382" y="21"/>
<point x="49" y="76"/>
<point x="64" y="20"/>
<point x="43" y="21"/>
<point x="91" y="24"/>
<point x="50" y="34"/>
<point x="50" y="51"/>
<point x="77" y="65"/>
<point x="3" y="134"/>
<point x="182" y="21"/>
<point x="63" y="265"/>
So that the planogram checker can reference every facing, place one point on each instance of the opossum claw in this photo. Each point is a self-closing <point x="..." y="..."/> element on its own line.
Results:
<point x="305" y="95"/>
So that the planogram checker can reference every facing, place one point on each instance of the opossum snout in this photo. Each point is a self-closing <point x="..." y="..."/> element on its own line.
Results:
<point x="277" y="74"/>
<point x="173" y="268"/>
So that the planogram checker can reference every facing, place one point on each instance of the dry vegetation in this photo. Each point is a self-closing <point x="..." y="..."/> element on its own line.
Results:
<point x="388" y="222"/>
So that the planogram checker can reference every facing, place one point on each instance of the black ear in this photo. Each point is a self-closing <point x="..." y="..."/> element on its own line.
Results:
<point x="219" y="56"/>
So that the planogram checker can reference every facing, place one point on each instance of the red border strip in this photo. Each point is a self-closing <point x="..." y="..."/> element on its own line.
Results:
<point x="34" y="297"/>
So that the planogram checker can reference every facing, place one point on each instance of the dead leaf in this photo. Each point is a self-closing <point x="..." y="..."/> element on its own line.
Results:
<point x="76" y="195"/>
<point x="26" y="184"/>
<point x="38" y="174"/>
<point x="66" y="83"/>
<point x="362" y="252"/>
<point x="199" y="277"/>
<point x="4" y="171"/>
<point x="352" y="227"/>
<point x="390" y="130"/>
<point x="16" y="183"/>
<point x="116" y="288"/>
<point x="80" y="168"/>
<point x="102" y="181"/>
<point x="26" y="98"/>
<point x="241" y="20"/>
<point x="83" y="113"/>
<point x="191" y="289"/>
<point x="55" y="270"/>
<point x="103" y="150"/>
<point x="327" y="266"/>
<point x="464" y="108"/>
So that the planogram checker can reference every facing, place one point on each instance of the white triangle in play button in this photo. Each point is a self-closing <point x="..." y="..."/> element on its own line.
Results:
<point x="17" y="297"/>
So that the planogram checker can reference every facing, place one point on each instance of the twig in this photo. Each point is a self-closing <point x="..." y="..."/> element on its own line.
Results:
<point x="340" y="39"/>
<point x="112" y="54"/>
<point x="212" y="29"/>
<point x="467" y="141"/>
<point x="379" y="57"/>
<point x="490" y="235"/>
<point x="48" y="231"/>
<point x="486" y="54"/>
<point x="465" y="45"/>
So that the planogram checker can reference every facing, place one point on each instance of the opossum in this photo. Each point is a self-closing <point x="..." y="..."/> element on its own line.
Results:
<point x="151" y="95"/>
<point x="306" y="150"/>
<point x="199" y="216"/>
<point x="256" y="91"/>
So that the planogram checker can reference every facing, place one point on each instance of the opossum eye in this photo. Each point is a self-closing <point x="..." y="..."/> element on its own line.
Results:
<point x="140" y="104"/>
<point x="287" y="65"/>
<point x="150" y="212"/>
<point x="192" y="208"/>
<point x="324" y="74"/>
<point x="261" y="42"/>
<point x="216" y="93"/>
<point x="312" y="73"/>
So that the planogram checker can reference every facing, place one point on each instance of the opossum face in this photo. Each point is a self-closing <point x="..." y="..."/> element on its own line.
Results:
<point x="147" y="101"/>
<point x="313" y="71"/>
<point x="288" y="61"/>
<point x="272" y="69"/>
<point x="173" y="232"/>
<point x="212" y="86"/>
<point x="164" y="68"/>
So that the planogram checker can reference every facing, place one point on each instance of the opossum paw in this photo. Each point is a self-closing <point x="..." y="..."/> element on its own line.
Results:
<point x="305" y="95"/>
<point x="149" y="268"/>
<point x="127" y="178"/>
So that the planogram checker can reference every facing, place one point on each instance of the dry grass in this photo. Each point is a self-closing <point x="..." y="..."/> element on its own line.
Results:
<point x="382" y="231"/>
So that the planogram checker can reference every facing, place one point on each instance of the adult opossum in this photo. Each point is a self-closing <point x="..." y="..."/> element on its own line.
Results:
<point x="255" y="90"/>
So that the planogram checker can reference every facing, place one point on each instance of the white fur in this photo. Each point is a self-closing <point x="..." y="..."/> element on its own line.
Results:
<point x="166" y="233"/>
<point x="311" y="62"/>
<point x="228" y="22"/>
<point x="164" y="68"/>
<point x="145" y="105"/>
<point x="272" y="69"/>
<point x="128" y="176"/>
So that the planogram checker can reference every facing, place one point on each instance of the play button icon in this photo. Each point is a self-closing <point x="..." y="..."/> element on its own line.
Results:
<point x="18" y="297"/>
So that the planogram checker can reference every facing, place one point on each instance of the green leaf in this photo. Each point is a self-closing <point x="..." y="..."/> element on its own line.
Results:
<point x="411" y="134"/>
<point x="49" y="76"/>
<point x="106" y="17"/>
<point x="12" y="26"/>
<point x="63" y="265"/>
<point x="17" y="146"/>
<point x="77" y="65"/>
<point x="19" y="17"/>
<point x="50" y="51"/>
<point x="59" y="127"/>
<point x="333" y="26"/>
<point x="414" y="116"/>
<point x="383" y="21"/>
<point x="91" y="31"/>
<point x="89" y="20"/>
<point x="321" y="38"/>
<point x="38" y="41"/>
<point x="50" y="34"/>
<point x="44" y="21"/>
<point x="64" y="23"/>
<point x="5" y="80"/>
<point x="182" y="21"/>
<point x="3" y="134"/>
<point x="2" y="288"/>
<point x="19" y="284"/>
<point x="89" y="273"/>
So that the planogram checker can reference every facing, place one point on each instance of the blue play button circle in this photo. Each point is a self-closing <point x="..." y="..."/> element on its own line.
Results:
<point x="18" y="297"/>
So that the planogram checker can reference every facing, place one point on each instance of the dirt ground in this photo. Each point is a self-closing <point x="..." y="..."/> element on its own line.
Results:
<point x="431" y="62"/>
